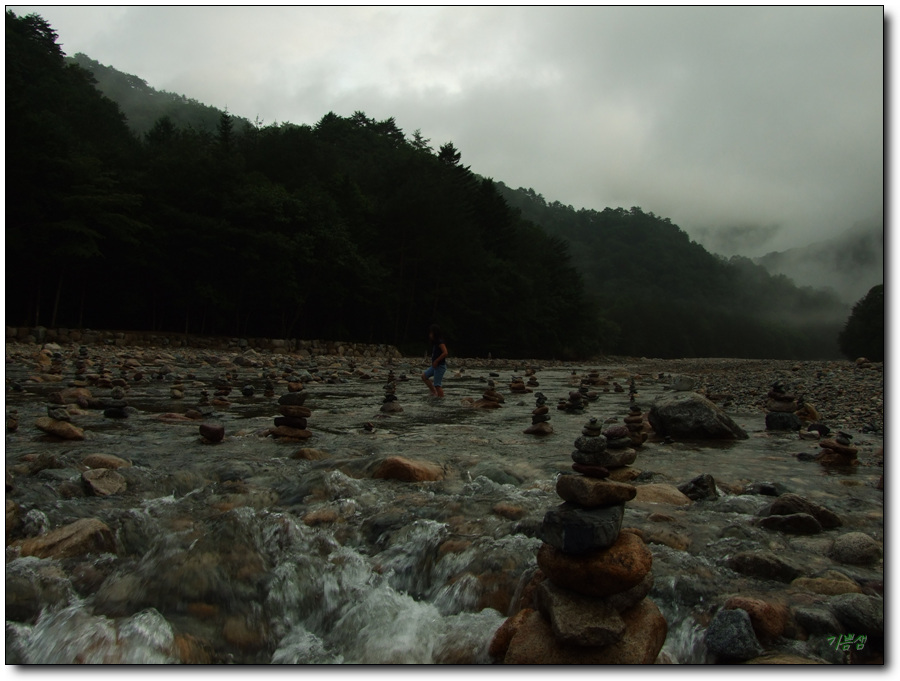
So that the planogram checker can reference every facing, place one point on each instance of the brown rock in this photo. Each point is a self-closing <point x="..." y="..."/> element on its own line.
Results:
<point x="829" y="457"/>
<point x="597" y="472"/>
<point x="599" y="573"/>
<point x="835" y="446"/>
<point x="289" y="433"/>
<point x="191" y="650"/>
<point x="623" y="474"/>
<point x="486" y="404"/>
<point x="310" y="454"/>
<point x="782" y="658"/>
<point x="510" y="511"/>
<point x="13" y="517"/>
<point x="294" y="411"/>
<point x="103" y="482"/>
<point x="502" y="637"/>
<point x="592" y="492"/>
<point x="788" y="504"/>
<point x="663" y="535"/>
<point x="661" y="493"/>
<point x="399" y="468"/>
<point x="87" y="535"/>
<point x="543" y="409"/>
<point x="577" y="619"/>
<point x="628" y="599"/>
<point x="767" y="619"/>
<point x="645" y="632"/>
<point x="826" y="586"/>
<point x="241" y="633"/>
<point x="61" y="429"/>
<point x="105" y="461"/>
<point x="322" y="516"/>
<point x="542" y="428"/>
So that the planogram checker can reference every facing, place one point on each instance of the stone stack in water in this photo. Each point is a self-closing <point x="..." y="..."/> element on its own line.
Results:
<point x="634" y="423"/>
<point x="291" y="425"/>
<point x="838" y="451"/>
<point x="594" y="457"/>
<point x="517" y="386"/>
<point x="490" y="399"/>
<point x="592" y="606"/>
<point x="574" y="403"/>
<point x="780" y="408"/>
<point x="117" y="406"/>
<point x="587" y="394"/>
<point x="540" y="417"/>
<point x="389" y="404"/>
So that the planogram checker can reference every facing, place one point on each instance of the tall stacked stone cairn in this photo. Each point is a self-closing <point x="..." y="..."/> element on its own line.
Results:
<point x="838" y="451"/>
<point x="574" y="403"/>
<point x="634" y="423"/>
<point x="540" y="417"/>
<point x="291" y="425"/>
<point x="592" y="605"/>
<point x="597" y="455"/>
<point x="490" y="398"/>
<point x="390" y="404"/>
<point x="780" y="408"/>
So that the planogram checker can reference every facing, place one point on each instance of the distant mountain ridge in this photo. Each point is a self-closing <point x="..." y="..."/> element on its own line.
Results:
<point x="850" y="263"/>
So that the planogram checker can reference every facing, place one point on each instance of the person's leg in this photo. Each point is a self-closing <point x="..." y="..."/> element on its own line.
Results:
<point x="439" y="379"/>
<point x="426" y="375"/>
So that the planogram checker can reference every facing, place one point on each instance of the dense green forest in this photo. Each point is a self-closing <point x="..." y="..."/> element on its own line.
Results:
<point x="863" y="334"/>
<point x="347" y="229"/>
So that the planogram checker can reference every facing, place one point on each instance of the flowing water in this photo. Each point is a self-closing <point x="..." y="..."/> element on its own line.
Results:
<point x="239" y="553"/>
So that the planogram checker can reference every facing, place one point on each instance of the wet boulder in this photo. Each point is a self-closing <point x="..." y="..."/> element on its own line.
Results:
<point x="788" y="504"/>
<point x="103" y="482"/>
<point x="699" y="488"/>
<point x="763" y="565"/>
<point x="730" y="636"/>
<point x="793" y="523"/>
<point x="859" y="613"/>
<point x="61" y="429"/>
<point x="87" y="535"/>
<point x="577" y="530"/>
<point x="768" y="620"/>
<point x="856" y="548"/>
<point x="692" y="417"/>
<point x="406" y="470"/>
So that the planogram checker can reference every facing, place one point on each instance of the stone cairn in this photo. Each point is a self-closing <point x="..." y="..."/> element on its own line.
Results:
<point x="490" y="398"/>
<point x="592" y="605"/>
<point x="389" y="405"/>
<point x="540" y="417"/>
<point x="596" y="453"/>
<point x="838" y="451"/>
<point x="634" y="423"/>
<point x="574" y="403"/>
<point x="291" y="425"/>
<point x="780" y="408"/>
<point x="517" y="386"/>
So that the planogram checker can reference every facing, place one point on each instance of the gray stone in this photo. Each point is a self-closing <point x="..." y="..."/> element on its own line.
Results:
<point x="692" y="416"/>
<point x="795" y="523"/>
<point x="625" y="600"/>
<point x="608" y="459"/>
<point x="701" y="487"/>
<point x="788" y="504"/>
<point x="779" y="420"/>
<point x="103" y="482"/>
<point x="578" y="619"/>
<point x="590" y="445"/>
<point x="730" y="635"/>
<point x="817" y="620"/>
<point x="576" y="530"/>
<point x="856" y="548"/>
<point x="859" y="613"/>
<point x="763" y="565"/>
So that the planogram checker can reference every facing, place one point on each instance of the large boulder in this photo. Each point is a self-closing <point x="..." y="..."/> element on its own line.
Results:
<point x="692" y="417"/>
<point x="61" y="429"/>
<point x="400" y="468"/>
<point x="730" y="636"/>
<point x="856" y="548"/>
<point x="789" y="504"/>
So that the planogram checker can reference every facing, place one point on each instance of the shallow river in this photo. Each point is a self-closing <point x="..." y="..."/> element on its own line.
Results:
<point x="237" y="552"/>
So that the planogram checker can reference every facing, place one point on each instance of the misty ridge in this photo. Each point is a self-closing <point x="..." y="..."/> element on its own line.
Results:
<point x="209" y="223"/>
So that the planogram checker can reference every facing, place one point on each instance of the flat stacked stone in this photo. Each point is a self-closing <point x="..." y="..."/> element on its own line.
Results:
<point x="634" y="423"/>
<point x="390" y="405"/>
<point x="780" y="407"/>
<point x="574" y="403"/>
<point x="592" y="606"/>
<point x="540" y="417"/>
<point x="838" y="451"/>
<point x="517" y="386"/>
<point x="291" y="426"/>
<point x="490" y="398"/>
<point x="587" y="394"/>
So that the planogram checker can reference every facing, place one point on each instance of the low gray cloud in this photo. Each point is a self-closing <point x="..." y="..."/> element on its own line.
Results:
<point x="713" y="116"/>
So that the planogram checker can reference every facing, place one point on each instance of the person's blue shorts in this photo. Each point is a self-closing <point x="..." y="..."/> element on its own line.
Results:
<point x="437" y="373"/>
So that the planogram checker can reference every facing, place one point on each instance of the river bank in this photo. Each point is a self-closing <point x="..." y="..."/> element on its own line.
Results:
<point x="260" y="550"/>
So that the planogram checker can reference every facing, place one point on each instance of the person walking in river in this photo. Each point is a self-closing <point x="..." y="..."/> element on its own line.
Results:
<point x="438" y="362"/>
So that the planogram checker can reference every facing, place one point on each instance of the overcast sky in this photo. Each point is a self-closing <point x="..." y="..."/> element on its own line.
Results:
<point x="763" y="123"/>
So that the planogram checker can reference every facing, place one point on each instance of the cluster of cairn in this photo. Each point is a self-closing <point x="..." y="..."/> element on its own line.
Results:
<point x="576" y="400"/>
<point x="784" y="411"/>
<point x="838" y="451"/>
<point x="390" y="405"/>
<point x="596" y="453"/>
<point x="593" y="379"/>
<point x="592" y="605"/>
<point x="540" y="417"/>
<point x="532" y="379"/>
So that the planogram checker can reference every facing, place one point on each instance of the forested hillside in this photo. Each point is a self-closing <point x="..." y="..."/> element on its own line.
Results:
<point x="348" y="229"/>
<point x="664" y="295"/>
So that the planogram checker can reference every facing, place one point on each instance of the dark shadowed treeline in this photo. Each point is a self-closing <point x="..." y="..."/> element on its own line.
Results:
<point x="348" y="229"/>
<point x="663" y="295"/>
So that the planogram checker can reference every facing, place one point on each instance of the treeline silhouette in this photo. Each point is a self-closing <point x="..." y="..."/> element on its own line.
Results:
<point x="348" y="229"/>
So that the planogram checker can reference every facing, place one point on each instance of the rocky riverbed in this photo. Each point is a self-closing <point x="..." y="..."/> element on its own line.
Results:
<point x="180" y="506"/>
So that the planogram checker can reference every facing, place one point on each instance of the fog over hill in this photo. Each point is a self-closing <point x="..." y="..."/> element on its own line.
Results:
<point x="850" y="263"/>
